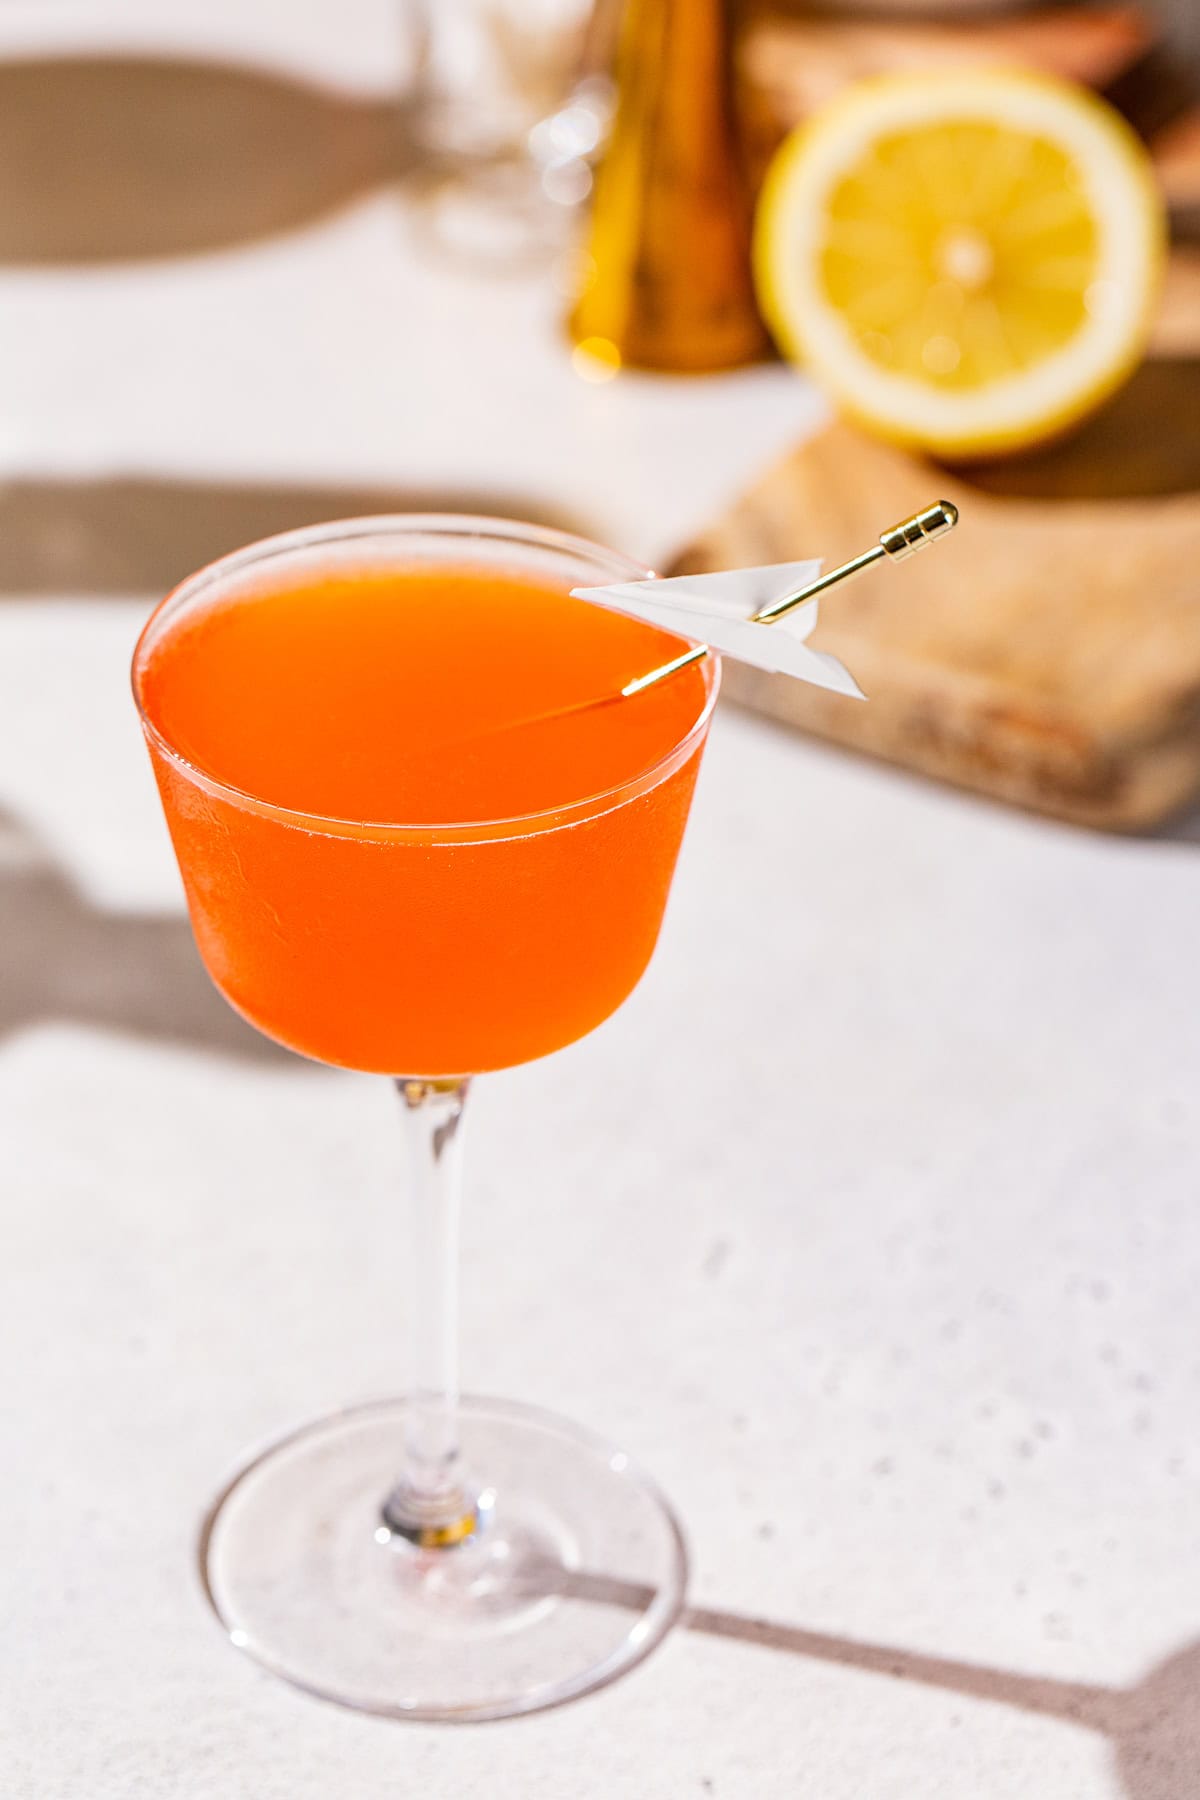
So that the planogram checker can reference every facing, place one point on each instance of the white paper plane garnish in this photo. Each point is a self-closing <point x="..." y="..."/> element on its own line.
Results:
<point x="718" y="610"/>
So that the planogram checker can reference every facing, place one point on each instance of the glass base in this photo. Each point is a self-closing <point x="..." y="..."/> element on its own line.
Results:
<point x="492" y="215"/>
<point x="576" y="1572"/>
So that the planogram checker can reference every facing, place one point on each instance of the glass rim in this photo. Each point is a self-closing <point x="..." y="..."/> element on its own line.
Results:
<point x="468" y="527"/>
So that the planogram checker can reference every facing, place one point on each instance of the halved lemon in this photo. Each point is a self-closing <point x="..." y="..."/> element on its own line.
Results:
<point x="968" y="260"/>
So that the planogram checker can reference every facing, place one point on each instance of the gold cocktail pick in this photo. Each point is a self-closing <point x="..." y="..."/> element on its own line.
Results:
<point x="896" y="544"/>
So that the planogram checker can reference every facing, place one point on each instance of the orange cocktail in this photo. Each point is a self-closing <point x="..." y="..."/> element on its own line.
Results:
<point x="410" y="844"/>
<point x="385" y="867"/>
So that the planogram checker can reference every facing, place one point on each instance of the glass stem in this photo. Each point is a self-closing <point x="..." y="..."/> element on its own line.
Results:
<point x="458" y="114"/>
<point x="431" y="1504"/>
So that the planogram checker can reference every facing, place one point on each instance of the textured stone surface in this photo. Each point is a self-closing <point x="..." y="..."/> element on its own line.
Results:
<point x="869" y="1223"/>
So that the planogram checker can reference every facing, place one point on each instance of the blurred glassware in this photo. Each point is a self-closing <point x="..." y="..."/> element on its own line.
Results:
<point x="510" y="108"/>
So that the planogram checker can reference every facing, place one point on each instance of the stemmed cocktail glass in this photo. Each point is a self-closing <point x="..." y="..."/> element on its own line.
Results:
<point x="388" y="871"/>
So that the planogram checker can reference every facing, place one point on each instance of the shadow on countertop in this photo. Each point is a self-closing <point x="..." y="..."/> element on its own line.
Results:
<point x="118" y="158"/>
<point x="1182" y="830"/>
<point x="1154" y="1725"/>
<point x="109" y="158"/>
<point x="64" y="960"/>
<point x="127" y="535"/>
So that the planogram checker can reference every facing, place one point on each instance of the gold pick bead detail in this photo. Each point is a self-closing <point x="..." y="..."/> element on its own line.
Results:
<point x="911" y="535"/>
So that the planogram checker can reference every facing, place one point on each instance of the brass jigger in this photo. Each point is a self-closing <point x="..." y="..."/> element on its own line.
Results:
<point x="896" y="544"/>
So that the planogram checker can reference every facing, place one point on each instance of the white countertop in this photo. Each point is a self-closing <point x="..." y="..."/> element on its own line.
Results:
<point x="870" y="1222"/>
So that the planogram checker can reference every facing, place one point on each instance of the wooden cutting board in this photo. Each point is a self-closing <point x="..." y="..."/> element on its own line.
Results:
<point x="1048" y="653"/>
